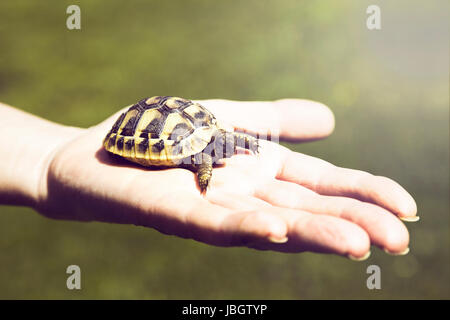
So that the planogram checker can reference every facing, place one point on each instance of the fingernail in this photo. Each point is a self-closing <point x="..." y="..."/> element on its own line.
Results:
<point x="401" y="253"/>
<point x="410" y="219"/>
<point x="278" y="240"/>
<point x="364" y="257"/>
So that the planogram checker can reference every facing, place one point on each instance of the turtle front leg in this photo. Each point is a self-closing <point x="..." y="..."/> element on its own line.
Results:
<point x="246" y="141"/>
<point x="204" y="171"/>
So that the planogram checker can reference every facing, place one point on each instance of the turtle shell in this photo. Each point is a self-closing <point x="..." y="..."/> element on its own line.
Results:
<point x="161" y="131"/>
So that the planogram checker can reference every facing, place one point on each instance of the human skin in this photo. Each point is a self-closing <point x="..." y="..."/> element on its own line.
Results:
<point x="278" y="200"/>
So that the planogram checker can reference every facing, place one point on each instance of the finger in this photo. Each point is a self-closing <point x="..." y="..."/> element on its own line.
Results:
<point x="298" y="239"/>
<point x="195" y="217"/>
<point x="320" y="233"/>
<point x="383" y="228"/>
<point x="327" y="179"/>
<point x="291" y="119"/>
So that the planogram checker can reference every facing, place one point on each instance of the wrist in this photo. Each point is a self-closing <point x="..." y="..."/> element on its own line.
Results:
<point x="28" y="146"/>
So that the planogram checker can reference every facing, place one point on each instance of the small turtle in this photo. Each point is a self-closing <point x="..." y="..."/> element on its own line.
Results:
<point x="174" y="132"/>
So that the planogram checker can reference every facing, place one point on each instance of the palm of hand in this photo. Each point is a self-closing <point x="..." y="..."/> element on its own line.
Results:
<point x="278" y="200"/>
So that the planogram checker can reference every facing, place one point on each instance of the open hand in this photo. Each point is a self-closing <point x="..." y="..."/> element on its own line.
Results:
<point x="279" y="200"/>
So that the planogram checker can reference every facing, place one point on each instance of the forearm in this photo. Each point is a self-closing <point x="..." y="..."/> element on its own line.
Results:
<point x="27" y="144"/>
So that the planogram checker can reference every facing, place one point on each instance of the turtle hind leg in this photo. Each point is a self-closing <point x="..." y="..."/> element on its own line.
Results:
<point x="246" y="141"/>
<point x="204" y="171"/>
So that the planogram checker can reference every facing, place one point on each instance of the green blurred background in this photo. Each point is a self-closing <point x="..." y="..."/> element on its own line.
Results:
<point x="388" y="89"/>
